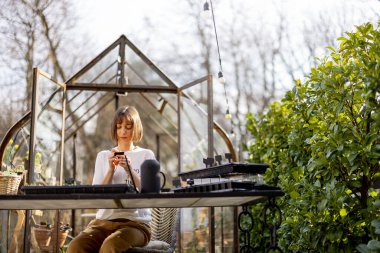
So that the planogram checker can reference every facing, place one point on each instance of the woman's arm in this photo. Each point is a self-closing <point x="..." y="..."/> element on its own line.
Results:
<point x="108" y="176"/>
<point x="113" y="161"/>
<point x="104" y="168"/>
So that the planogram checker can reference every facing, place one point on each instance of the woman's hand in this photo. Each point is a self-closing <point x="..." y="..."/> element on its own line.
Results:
<point x="124" y="162"/>
<point x="113" y="161"/>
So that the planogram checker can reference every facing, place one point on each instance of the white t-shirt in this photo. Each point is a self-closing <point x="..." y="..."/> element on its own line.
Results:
<point x="137" y="157"/>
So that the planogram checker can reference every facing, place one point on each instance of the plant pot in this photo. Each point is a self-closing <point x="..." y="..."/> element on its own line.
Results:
<point x="46" y="238"/>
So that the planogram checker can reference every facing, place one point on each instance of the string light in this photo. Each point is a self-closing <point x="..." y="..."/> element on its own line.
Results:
<point x="206" y="13"/>
<point x="222" y="80"/>
<point x="221" y="77"/>
<point x="206" y="6"/>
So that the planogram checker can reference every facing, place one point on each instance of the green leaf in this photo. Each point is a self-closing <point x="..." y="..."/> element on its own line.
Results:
<point x="330" y="152"/>
<point x="294" y="195"/>
<point x="362" y="248"/>
<point x="331" y="48"/>
<point x="322" y="204"/>
<point x="375" y="223"/>
<point x="373" y="245"/>
<point x="313" y="120"/>
<point x="370" y="139"/>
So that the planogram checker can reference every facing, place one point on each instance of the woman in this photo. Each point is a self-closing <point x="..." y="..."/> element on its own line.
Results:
<point x="116" y="230"/>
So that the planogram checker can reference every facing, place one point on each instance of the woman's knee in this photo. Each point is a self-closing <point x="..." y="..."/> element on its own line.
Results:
<point x="75" y="246"/>
<point x="84" y="243"/>
<point x="123" y="240"/>
<point x="115" y="243"/>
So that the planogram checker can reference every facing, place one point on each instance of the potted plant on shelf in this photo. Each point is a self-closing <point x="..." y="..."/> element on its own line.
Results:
<point x="46" y="235"/>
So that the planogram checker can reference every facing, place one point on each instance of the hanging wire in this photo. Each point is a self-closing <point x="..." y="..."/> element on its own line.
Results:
<point x="220" y="74"/>
<point x="216" y="38"/>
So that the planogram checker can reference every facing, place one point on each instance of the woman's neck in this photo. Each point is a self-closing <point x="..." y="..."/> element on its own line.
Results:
<point x="126" y="146"/>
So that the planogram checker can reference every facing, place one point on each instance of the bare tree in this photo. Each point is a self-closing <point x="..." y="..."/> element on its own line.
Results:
<point x="261" y="56"/>
<point x="34" y="34"/>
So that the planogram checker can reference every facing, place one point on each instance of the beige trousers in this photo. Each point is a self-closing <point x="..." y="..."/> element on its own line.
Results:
<point x="112" y="236"/>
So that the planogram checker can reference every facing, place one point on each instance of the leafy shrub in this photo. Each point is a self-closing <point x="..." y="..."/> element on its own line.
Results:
<point x="323" y="146"/>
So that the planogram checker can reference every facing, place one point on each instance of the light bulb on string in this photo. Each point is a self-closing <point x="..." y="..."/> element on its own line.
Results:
<point x="232" y="134"/>
<point x="206" y="13"/>
<point x="228" y="114"/>
<point x="221" y="78"/>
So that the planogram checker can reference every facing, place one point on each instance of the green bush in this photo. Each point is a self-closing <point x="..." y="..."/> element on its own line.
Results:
<point x="323" y="146"/>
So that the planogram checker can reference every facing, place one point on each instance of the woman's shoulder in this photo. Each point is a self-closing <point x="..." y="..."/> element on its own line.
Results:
<point x="104" y="153"/>
<point x="145" y="151"/>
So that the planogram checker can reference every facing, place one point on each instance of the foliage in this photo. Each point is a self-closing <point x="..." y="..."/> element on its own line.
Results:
<point x="373" y="245"/>
<point x="12" y="163"/>
<point x="323" y="146"/>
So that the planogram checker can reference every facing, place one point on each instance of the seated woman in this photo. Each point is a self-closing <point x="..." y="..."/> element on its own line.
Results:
<point x="117" y="230"/>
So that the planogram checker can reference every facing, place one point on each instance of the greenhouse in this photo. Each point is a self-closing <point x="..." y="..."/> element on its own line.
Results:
<point x="48" y="146"/>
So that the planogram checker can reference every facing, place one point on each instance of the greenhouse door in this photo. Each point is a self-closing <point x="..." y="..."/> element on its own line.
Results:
<point x="47" y="130"/>
<point x="195" y="103"/>
<point x="195" y="123"/>
<point x="46" y="140"/>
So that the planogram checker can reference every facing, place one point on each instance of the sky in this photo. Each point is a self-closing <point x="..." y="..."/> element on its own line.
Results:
<point x="105" y="20"/>
<point x="108" y="19"/>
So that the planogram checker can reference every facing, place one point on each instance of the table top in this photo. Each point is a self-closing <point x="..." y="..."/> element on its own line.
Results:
<point x="134" y="200"/>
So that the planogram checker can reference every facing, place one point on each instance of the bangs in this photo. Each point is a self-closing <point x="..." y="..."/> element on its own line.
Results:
<point x="124" y="116"/>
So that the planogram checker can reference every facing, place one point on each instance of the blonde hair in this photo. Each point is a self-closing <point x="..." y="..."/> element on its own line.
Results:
<point x="131" y="115"/>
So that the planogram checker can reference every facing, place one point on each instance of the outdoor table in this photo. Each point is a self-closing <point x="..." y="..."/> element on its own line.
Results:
<point x="140" y="200"/>
<point x="133" y="200"/>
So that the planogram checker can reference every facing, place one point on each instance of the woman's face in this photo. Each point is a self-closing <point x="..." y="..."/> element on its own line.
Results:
<point x="124" y="130"/>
